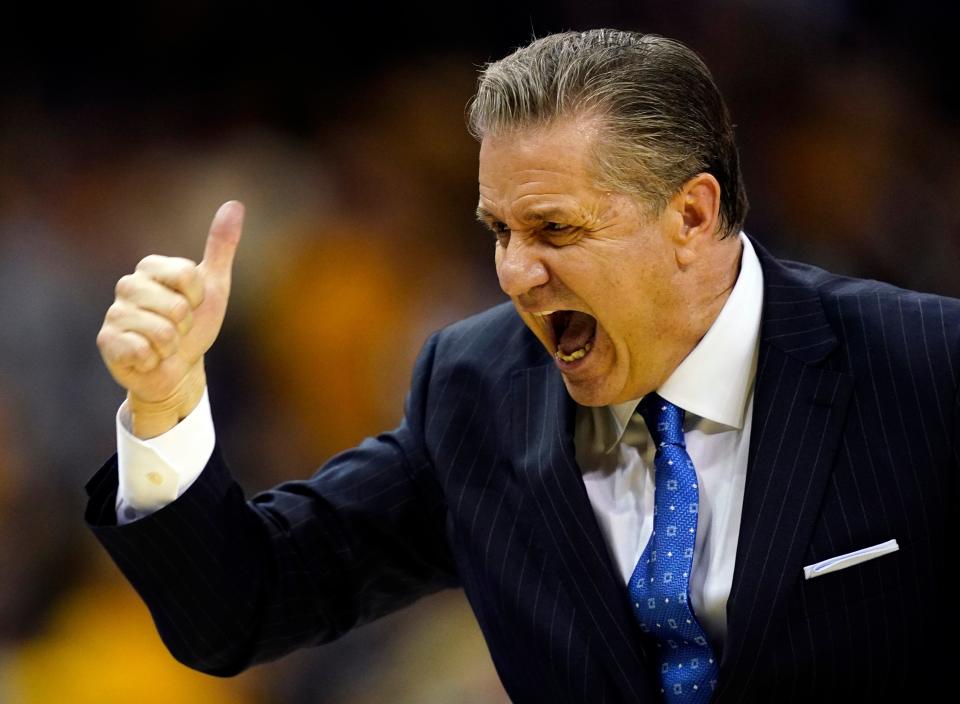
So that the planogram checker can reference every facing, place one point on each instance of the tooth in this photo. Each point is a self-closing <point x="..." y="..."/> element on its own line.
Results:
<point x="573" y="356"/>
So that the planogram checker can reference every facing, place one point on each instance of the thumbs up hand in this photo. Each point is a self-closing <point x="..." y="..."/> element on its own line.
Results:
<point x="165" y="317"/>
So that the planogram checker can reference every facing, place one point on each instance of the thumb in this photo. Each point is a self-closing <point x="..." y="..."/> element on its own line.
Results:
<point x="223" y="239"/>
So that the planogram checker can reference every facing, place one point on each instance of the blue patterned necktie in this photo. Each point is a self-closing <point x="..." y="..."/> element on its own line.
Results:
<point x="660" y="585"/>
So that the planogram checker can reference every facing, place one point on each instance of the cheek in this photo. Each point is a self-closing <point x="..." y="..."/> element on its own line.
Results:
<point x="498" y="261"/>
<point x="624" y="293"/>
<point x="633" y="319"/>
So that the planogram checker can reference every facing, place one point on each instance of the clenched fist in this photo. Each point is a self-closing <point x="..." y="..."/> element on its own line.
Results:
<point x="165" y="317"/>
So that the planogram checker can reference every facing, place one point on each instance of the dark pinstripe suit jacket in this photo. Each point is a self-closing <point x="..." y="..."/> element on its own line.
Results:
<point x="854" y="442"/>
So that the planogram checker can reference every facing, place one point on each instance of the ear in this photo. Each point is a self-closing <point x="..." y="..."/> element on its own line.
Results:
<point x="698" y="204"/>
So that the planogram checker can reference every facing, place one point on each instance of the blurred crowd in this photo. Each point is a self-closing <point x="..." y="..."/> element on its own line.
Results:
<point x="359" y="242"/>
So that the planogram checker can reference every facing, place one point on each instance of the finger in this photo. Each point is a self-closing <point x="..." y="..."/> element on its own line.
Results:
<point x="143" y="292"/>
<point x="225" y="231"/>
<point x="130" y="351"/>
<point x="175" y="273"/>
<point x="160" y="332"/>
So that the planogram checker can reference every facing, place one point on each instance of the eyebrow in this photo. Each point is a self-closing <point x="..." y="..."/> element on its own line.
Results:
<point x="545" y="214"/>
<point x="484" y="215"/>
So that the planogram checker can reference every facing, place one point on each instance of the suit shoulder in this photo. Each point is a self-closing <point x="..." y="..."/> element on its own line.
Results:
<point x="849" y="295"/>
<point x="871" y="316"/>
<point x="860" y="296"/>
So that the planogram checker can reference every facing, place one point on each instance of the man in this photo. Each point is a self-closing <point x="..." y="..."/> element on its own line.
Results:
<point x="707" y="475"/>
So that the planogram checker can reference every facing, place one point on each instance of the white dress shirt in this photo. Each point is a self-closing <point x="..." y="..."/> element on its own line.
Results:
<point x="714" y="385"/>
<point x="154" y="472"/>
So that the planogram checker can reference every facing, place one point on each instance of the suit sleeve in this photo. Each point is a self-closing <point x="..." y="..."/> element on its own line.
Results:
<point x="232" y="582"/>
<point x="955" y="440"/>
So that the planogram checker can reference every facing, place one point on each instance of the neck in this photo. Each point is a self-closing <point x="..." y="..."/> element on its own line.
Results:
<point x="727" y="268"/>
<point x="715" y="278"/>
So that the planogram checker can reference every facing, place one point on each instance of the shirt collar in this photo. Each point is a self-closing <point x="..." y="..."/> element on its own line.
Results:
<point x="715" y="379"/>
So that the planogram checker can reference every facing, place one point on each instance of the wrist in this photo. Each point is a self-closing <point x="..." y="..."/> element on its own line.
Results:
<point x="149" y="419"/>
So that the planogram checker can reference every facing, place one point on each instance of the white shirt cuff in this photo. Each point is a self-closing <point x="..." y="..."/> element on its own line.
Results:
<point x="155" y="472"/>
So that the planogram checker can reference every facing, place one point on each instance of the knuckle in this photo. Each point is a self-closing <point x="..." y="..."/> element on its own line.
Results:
<point x="187" y="276"/>
<point x="114" y="313"/>
<point x="180" y="309"/>
<point x="127" y="351"/>
<point x="165" y="333"/>
<point x="125" y="286"/>
<point x="184" y="326"/>
<point x="140" y="349"/>
<point x="104" y="338"/>
<point x="148" y="262"/>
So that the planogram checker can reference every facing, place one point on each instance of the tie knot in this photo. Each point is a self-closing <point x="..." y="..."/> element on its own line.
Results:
<point x="663" y="419"/>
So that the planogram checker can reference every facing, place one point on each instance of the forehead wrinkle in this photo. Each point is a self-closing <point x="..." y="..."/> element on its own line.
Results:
<point x="558" y="206"/>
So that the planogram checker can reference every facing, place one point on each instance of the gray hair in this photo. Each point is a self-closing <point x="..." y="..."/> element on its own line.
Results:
<point x="662" y="118"/>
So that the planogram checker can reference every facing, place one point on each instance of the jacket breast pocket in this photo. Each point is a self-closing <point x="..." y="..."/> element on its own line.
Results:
<point x="851" y="581"/>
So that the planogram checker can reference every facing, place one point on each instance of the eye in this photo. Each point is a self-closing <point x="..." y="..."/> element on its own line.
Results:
<point x="501" y="232"/>
<point x="558" y="234"/>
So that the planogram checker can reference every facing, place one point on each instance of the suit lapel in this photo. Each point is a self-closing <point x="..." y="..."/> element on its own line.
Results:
<point x="799" y="408"/>
<point x="544" y="452"/>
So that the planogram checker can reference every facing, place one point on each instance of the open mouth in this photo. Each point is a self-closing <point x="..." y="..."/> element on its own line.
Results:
<point x="573" y="333"/>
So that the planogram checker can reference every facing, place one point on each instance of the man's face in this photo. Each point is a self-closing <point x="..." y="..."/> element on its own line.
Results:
<point x="595" y="280"/>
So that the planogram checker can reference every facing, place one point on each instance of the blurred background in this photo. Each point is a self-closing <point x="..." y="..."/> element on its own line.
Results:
<point x="122" y="130"/>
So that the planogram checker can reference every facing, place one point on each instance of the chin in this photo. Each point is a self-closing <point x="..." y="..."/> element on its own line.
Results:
<point x="592" y="393"/>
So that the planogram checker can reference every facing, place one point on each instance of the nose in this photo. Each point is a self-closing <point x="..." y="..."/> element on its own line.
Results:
<point x="520" y="268"/>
